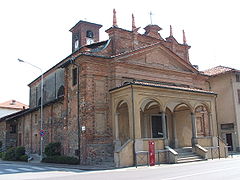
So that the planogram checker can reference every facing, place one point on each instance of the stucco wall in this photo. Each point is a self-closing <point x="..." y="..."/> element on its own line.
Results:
<point x="228" y="110"/>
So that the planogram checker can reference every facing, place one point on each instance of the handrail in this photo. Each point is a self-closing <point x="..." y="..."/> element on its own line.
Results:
<point x="222" y="140"/>
<point x="123" y="146"/>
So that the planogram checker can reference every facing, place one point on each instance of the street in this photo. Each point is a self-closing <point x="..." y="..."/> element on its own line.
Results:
<point x="212" y="169"/>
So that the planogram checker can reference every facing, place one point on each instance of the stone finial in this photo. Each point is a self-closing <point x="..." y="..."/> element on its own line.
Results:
<point x="114" y="18"/>
<point x="133" y="23"/>
<point x="184" y="38"/>
<point x="171" y="33"/>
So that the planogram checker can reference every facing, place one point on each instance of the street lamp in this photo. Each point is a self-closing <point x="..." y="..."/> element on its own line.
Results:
<point x="41" y="106"/>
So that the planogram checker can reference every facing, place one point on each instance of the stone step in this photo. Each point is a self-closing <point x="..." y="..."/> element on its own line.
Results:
<point x="189" y="157"/>
<point x="186" y="155"/>
<point x="183" y="150"/>
<point x="189" y="160"/>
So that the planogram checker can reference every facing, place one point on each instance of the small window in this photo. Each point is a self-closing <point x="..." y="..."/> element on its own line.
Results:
<point x="13" y="128"/>
<point x="238" y="95"/>
<point x="36" y="119"/>
<point x="74" y="76"/>
<point x="238" y="77"/>
<point x="60" y="91"/>
<point x="229" y="126"/>
<point x="39" y="101"/>
<point x="89" y="34"/>
<point x="20" y="139"/>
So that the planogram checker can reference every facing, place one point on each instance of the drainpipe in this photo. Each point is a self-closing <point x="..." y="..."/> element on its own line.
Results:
<point x="217" y="127"/>
<point x="133" y="116"/>
<point x="78" y="111"/>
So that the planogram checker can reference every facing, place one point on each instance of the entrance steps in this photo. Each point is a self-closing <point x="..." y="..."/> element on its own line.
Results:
<point x="186" y="155"/>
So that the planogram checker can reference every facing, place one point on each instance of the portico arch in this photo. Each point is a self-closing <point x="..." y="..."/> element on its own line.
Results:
<point x="153" y="119"/>
<point x="184" y="126"/>
<point x="122" y="126"/>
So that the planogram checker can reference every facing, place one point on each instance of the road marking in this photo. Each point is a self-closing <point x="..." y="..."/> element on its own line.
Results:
<point x="200" y="173"/>
<point x="12" y="170"/>
<point x="25" y="169"/>
<point x="38" y="168"/>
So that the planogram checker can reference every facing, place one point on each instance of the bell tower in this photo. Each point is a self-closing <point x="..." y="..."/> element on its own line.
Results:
<point x="84" y="33"/>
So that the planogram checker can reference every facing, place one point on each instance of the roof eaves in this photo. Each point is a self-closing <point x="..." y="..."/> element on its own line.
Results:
<point x="165" y="87"/>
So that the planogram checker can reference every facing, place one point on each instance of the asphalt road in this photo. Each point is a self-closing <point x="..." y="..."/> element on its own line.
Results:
<point x="211" y="169"/>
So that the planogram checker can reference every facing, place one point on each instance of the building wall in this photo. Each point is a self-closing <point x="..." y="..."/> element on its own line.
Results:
<point x="28" y="128"/>
<point x="3" y="133"/>
<point x="224" y="85"/>
<point x="51" y="84"/>
<point x="236" y="87"/>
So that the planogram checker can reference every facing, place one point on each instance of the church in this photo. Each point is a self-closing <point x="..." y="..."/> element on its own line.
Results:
<point x="108" y="99"/>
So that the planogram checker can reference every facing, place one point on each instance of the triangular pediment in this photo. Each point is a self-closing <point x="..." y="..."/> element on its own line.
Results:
<point x="159" y="57"/>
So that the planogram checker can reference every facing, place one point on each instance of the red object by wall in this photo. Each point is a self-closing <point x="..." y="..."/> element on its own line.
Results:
<point x="151" y="150"/>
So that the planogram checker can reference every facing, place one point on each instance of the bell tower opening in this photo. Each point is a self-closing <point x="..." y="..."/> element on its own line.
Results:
<point x="84" y="33"/>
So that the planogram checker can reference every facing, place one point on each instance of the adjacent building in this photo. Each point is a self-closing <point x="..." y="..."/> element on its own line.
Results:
<point x="10" y="107"/>
<point x="225" y="82"/>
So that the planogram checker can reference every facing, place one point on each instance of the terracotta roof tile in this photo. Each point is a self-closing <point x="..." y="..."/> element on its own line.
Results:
<point x="219" y="70"/>
<point x="163" y="85"/>
<point x="174" y="87"/>
<point x="13" y="104"/>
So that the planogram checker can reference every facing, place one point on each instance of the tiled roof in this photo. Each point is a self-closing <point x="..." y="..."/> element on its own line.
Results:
<point x="13" y="104"/>
<point x="170" y="86"/>
<point x="219" y="70"/>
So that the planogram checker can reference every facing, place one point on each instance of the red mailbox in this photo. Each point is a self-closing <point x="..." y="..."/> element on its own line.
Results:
<point x="151" y="150"/>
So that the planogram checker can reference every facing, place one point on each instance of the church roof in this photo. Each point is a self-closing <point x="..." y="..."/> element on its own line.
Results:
<point x="166" y="86"/>
<point x="219" y="70"/>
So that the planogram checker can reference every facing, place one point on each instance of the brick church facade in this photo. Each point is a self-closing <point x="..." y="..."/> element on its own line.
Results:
<point x="108" y="98"/>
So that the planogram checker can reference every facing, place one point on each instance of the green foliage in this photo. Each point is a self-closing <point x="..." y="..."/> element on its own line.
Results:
<point x="20" y="151"/>
<point x="10" y="154"/>
<point x="14" y="154"/>
<point x="53" y="149"/>
<point x="23" y="158"/>
<point x="61" y="160"/>
<point x="1" y="154"/>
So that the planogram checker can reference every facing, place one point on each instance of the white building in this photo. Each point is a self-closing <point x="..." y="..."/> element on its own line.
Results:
<point x="10" y="107"/>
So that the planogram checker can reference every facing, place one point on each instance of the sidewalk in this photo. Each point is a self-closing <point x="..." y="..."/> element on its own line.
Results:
<point x="80" y="167"/>
<point x="85" y="167"/>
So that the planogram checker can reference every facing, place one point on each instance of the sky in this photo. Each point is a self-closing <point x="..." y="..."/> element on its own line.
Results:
<point x="37" y="31"/>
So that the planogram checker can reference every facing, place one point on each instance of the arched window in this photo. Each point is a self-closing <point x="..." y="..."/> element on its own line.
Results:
<point x="39" y="101"/>
<point x="60" y="91"/>
<point x="89" y="34"/>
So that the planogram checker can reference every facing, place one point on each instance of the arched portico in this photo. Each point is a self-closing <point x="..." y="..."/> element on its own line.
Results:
<point x="175" y="118"/>
<point x="153" y="124"/>
<point x="121" y="123"/>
